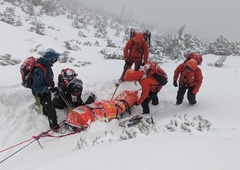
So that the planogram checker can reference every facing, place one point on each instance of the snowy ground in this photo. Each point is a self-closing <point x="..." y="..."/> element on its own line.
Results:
<point x="211" y="149"/>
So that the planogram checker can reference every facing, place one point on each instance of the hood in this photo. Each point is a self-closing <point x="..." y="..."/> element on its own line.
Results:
<point x="133" y="75"/>
<point x="49" y="57"/>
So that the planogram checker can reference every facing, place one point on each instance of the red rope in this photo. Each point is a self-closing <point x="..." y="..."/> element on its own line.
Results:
<point x="58" y="136"/>
<point x="16" y="145"/>
<point x="44" y="134"/>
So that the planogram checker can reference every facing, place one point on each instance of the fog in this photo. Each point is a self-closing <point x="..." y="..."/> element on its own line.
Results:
<point x="207" y="19"/>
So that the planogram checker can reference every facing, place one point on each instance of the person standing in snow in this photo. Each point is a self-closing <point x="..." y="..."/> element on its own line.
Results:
<point x="70" y="91"/>
<point x="150" y="86"/>
<point x="136" y="51"/>
<point x="190" y="80"/>
<point x="42" y="85"/>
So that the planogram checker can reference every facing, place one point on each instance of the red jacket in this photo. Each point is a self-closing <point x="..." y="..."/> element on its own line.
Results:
<point x="136" y="52"/>
<point x="188" y="79"/>
<point x="148" y="83"/>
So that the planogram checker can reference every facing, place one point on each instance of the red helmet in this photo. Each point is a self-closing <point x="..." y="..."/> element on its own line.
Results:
<point x="68" y="74"/>
<point x="192" y="64"/>
<point x="196" y="56"/>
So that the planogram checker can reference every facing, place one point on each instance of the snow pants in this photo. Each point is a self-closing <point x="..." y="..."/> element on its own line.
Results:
<point x="137" y="64"/>
<point x="48" y="109"/>
<point x="151" y="97"/>
<point x="190" y="96"/>
<point x="59" y="103"/>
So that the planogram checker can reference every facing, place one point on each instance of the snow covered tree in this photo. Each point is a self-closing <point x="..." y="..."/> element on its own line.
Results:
<point x="221" y="46"/>
<point x="9" y="17"/>
<point x="37" y="27"/>
<point x="79" y="23"/>
<point x="219" y="62"/>
<point x="101" y="29"/>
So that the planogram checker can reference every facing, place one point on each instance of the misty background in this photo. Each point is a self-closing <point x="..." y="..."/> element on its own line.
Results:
<point x="205" y="19"/>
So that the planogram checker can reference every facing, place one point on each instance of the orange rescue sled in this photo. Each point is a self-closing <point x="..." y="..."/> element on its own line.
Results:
<point x="81" y="117"/>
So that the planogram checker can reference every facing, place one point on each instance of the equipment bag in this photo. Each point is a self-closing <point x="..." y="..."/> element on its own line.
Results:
<point x="26" y="71"/>
<point x="154" y="70"/>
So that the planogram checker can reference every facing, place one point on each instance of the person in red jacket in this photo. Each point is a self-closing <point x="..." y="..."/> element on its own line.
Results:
<point x="136" y="51"/>
<point x="190" y="80"/>
<point x="150" y="88"/>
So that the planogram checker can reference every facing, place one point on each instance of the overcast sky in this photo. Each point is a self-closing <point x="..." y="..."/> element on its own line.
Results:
<point x="207" y="19"/>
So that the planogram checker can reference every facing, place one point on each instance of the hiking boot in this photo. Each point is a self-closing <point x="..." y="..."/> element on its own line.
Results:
<point x="145" y="113"/>
<point x="55" y="128"/>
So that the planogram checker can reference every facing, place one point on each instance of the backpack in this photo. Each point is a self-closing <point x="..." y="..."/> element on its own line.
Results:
<point x="146" y="35"/>
<point x="26" y="70"/>
<point x="154" y="70"/>
<point x="196" y="56"/>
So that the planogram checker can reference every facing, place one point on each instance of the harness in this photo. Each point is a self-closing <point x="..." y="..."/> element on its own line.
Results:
<point x="188" y="79"/>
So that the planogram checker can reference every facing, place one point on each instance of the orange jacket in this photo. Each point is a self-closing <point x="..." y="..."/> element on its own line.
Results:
<point x="136" y="52"/>
<point x="188" y="79"/>
<point x="148" y="83"/>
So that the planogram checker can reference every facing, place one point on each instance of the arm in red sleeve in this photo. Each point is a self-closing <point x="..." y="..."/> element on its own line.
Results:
<point x="126" y="50"/>
<point x="145" y="91"/>
<point x="146" y="52"/>
<point x="199" y="79"/>
<point x="177" y="71"/>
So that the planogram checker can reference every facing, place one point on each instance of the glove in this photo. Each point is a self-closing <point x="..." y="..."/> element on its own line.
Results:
<point x="175" y="83"/>
<point x="54" y="89"/>
<point x="142" y="64"/>
<point x="136" y="104"/>
<point x="127" y="64"/>
<point x="93" y="95"/>
<point x="37" y="102"/>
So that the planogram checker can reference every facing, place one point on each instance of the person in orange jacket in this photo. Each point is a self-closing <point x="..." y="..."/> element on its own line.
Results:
<point x="136" y="51"/>
<point x="190" y="80"/>
<point x="150" y="88"/>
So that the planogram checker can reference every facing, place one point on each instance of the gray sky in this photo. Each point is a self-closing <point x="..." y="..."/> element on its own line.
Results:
<point x="207" y="19"/>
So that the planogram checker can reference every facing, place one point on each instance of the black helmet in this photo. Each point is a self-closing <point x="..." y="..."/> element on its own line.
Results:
<point x="75" y="87"/>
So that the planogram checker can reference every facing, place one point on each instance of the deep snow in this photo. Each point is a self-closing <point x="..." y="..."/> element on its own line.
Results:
<point x="218" y="101"/>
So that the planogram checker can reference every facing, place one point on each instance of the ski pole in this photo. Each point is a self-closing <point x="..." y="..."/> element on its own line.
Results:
<point x="126" y="66"/>
<point x="117" y="85"/>
<point x="35" y="138"/>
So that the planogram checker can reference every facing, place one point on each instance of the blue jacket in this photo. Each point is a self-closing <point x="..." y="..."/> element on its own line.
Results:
<point x="41" y="84"/>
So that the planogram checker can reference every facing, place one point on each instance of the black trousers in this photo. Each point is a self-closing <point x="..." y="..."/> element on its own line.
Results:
<point x="59" y="103"/>
<point x="190" y="96"/>
<point x="48" y="109"/>
<point x="151" y="97"/>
